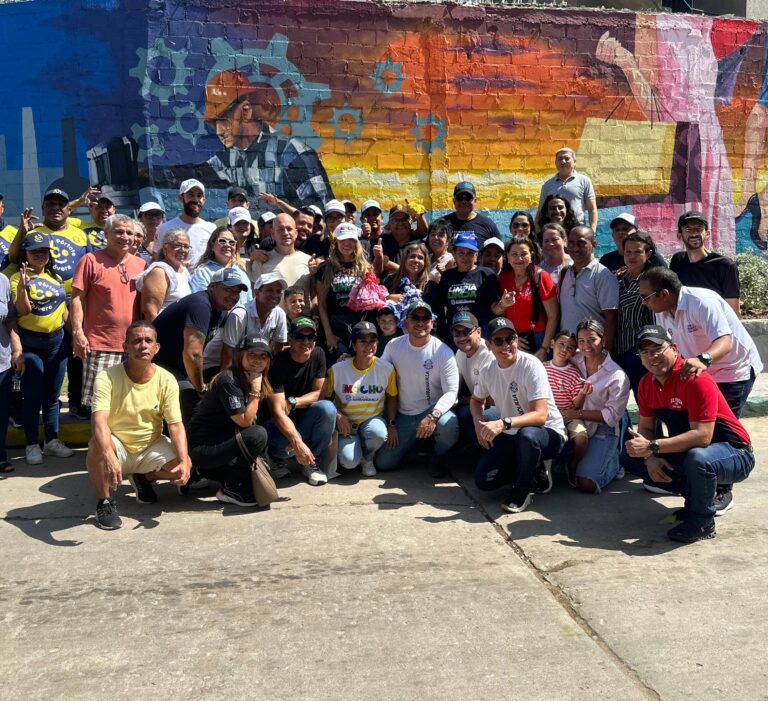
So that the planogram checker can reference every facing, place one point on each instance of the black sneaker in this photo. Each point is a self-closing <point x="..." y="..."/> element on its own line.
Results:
<point x="107" y="516"/>
<point x="681" y="514"/>
<point x="723" y="499"/>
<point x="542" y="482"/>
<point x="686" y="532"/>
<point x="240" y="498"/>
<point x="145" y="492"/>
<point x="518" y="501"/>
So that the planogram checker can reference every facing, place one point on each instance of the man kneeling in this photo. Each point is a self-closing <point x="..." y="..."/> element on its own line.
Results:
<point x="130" y="401"/>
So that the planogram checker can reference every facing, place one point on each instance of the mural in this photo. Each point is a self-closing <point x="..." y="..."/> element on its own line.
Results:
<point x="309" y="100"/>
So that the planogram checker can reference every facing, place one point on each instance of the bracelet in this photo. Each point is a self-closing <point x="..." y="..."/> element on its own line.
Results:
<point x="255" y="395"/>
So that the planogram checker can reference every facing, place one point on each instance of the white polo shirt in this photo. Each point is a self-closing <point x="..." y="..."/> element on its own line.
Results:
<point x="701" y="317"/>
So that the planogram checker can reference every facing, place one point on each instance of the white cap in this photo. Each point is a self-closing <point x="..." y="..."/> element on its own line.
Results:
<point x="368" y="204"/>
<point x="267" y="217"/>
<point x="345" y="231"/>
<point x="625" y="217"/>
<point x="316" y="210"/>
<point x="187" y="185"/>
<point x="151" y="207"/>
<point x="493" y="241"/>
<point x="237" y="214"/>
<point x="334" y="206"/>
<point x="268" y="278"/>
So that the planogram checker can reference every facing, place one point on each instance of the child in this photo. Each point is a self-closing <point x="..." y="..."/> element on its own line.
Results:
<point x="569" y="391"/>
<point x="386" y="321"/>
<point x="295" y="302"/>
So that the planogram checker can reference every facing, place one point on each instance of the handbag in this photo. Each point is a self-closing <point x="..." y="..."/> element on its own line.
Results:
<point x="264" y="488"/>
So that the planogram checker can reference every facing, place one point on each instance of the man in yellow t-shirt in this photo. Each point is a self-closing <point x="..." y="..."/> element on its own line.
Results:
<point x="130" y="402"/>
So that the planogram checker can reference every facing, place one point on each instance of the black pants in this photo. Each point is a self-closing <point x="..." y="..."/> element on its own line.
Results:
<point x="224" y="462"/>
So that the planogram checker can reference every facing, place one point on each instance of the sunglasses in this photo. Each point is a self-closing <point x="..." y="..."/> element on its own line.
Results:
<point x="226" y="242"/>
<point x="500" y="341"/>
<point x="306" y="337"/>
<point x="420" y="318"/>
<point x="123" y="273"/>
<point x="181" y="247"/>
<point x="461" y="332"/>
<point x="464" y="197"/>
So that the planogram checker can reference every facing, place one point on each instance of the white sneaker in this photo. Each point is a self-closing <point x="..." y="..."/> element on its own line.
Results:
<point x="315" y="476"/>
<point x="368" y="469"/>
<point x="56" y="448"/>
<point x="33" y="455"/>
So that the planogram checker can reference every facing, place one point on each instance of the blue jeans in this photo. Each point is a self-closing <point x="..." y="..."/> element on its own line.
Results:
<point x="696" y="474"/>
<point x="6" y="382"/>
<point x="45" y="358"/>
<point x="467" y="426"/>
<point x="361" y="446"/>
<point x="601" y="461"/>
<point x="445" y="435"/>
<point x="315" y="425"/>
<point x="514" y="459"/>
<point x="736" y="393"/>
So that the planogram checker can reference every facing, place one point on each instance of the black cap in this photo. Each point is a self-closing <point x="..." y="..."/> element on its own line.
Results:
<point x="692" y="215"/>
<point x="499" y="324"/>
<point x="465" y="319"/>
<point x="234" y="191"/>
<point x="57" y="193"/>
<point x="464" y="186"/>
<point x="255" y="344"/>
<point x="654" y="333"/>
<point x="303" y="323"/>
<point x="36" y="240"/>
<point x="363" y="328"/>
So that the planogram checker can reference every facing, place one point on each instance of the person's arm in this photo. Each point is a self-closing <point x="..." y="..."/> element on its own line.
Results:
<point x="552" y="308"/>
<point x="331" y="340"/>
<point x="592" y="213"/>
<point x="253" y="399"/>
<point x="227" y="356"/>
<point x="22" y="304"/>
<point x="17" y="352"/>
<point x="611" y="51"/>
<point x="153" y="293"/>
<point x="609" y="338"/>
<point x="76" y="315"/>
<point x="449" y="381"/>
<point x="288" y="429"/>
<point x="269" y="198"/>
<point x="718" y="349"/>
<point x="194" y="342"/>
<point x="102" y="440"/>
<point x="488" y="430"/>
<point x="699" y="436"/>
<point x="27" y="221"/>
<point x="735" y="304"/>
<point x="308" y="399"/>
<point x="182" y="466"/>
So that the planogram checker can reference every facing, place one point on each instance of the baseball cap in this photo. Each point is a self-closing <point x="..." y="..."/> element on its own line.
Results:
<point x="255" y="344"/>
<point x="418" y="304"/>
<point x="237" y="214"/>
<point x="370" y="204"/>
<point x="57" y="193"/>
<point x="187" y="185"/>
<point x="398" y="209"/>
<point x="388" y="308"/>
<point x="494" y="241"/>
<point x="500" y="323"/>
<point x="303" y="323"/>
<point x="625" y="217"/>
<point x="692" y="216"/>
<point x="35" y="241"/>
<point x="464" y="186"/>
<point x="151" y="207"/>
<point x="346" y="231"/>
<point x="105" y="197"/>
<point x="235" y="191"/>
<point x="363" y="328"/>
<point x="349" y="206"/>
<point x="465" y="239"/>
<point x="465" y="319"/>
<point x="334" y="206"/>
<point x="654" y="333"/>
<point x="318" y="212"/>
<point x="268" y="279"/>
<point x="266" y="218"/>
<point x="228" y="277"/>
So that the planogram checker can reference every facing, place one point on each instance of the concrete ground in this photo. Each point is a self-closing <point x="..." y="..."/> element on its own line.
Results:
<point x="383" y="588"/>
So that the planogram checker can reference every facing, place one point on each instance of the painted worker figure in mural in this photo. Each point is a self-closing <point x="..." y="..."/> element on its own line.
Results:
<point x="255" y="156"/>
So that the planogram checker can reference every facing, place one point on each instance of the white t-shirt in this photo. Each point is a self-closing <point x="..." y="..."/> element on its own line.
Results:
<point x="702" y="315"/>
<point x="514" y="388"/>
<point x="293" y="268"/>
<point x="178" y="283"/>
<point x="244" y="321"/>
<point x="427" y="377"/>
<point x="469" y="368"/>
<point x="198" y="233"/>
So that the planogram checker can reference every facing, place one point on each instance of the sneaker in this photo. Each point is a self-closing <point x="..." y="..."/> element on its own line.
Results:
<point x="142" y="487"/>
<point x="315" y="476"/>
<point x="680" y="514"/>
<point x="230" y="496"/>
<point x="56" y="448"/>
<point x="33" y="455"/>
<point x="436" y="466"/>
<point x="279" y="469"/>
<point x="542" y="482"/>
<point x="80" y="412"/>
<point x="686" y="532"/>
<point x="107" y="516"/>
<point x="621" y="474"/>
<point x="518" y="501"/>
<point x="723" y="499"/>
<point x="658" y="490"/>
<point x="368" y="469"/>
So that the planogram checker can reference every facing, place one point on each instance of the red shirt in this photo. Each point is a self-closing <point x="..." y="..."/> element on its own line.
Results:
<point x="111" y="303"/>
<point x="521" y="312"/>
<point x="678" y="402"/>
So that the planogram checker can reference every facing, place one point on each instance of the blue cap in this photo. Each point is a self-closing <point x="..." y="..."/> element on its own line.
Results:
<point x="465" y="239"/>
<point x="35" y="241"/>
<point x="56" y="192"/>
<point x="464" y="186"/>
<point x="228" y="277"/>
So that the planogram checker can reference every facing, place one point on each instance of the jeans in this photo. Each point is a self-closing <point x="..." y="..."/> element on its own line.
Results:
<point x="45" y="358"/>
<point x="445" y="435"/>
<point x="315" y="425"/>
<point x="467" y="425"/>
<point x="361" y="446"/>
<point x="6" y="382"/>
<point x="696" y="474"/>
<point x="513" y="459"/>
<point x="736" y="393"/>
<point x="601" y="461"/>
<point x="224" y="462"/>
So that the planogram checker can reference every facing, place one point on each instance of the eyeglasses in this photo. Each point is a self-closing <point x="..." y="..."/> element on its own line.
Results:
<point x="500" y="341"/>
<point x="306" y="337"/>
<point x="645" y="299"/>
<point x="421" y="319"/>
<point x="464" y="197"/>
<point x="462" y="331"/>
<point x="230" y="243"/>
<point x="181" y="247"/>
<point x="653" y="354"/>
<point x="123" y="273"/>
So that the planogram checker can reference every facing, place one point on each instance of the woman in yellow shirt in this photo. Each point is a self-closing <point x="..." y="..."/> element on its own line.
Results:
<point x="40" y="300"/>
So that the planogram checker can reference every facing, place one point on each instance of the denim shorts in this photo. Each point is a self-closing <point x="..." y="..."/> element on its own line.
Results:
<point x="601" y="461"/>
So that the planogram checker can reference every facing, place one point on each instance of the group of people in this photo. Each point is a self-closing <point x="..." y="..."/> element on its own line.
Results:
<point x="328" y="340"/>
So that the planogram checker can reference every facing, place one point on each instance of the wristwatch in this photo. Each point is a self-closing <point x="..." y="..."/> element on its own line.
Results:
<point x="705" y="358"/>
<point x="654" y="446"/>
<point x="292" y="402"/>
<point x="392" y="422"/>
<point x="507" y="423"/>
<point x="435" y="415"/>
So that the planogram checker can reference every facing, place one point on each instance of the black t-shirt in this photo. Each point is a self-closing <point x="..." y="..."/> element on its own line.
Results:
<point x="392" y="249"/>
<point x="211" y="423"/>
<point x="715" y="272"/>
<point x="474" y="291"/>
<point x="481" y="226"/>
<point x="296" y="379"/>
<point x="338" y="292"/>
<point x="194" y="310"/>
<point x="613" y="260"/>
<point x="317" y="246"/>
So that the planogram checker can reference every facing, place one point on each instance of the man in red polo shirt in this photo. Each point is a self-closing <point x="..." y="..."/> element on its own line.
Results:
<point x="707" y="445"/>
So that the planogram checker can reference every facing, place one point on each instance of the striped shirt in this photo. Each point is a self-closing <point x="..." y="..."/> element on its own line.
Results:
<point x="633" y="314"/>
<point x="565" y="383"/>
<point x="360" y="393"/>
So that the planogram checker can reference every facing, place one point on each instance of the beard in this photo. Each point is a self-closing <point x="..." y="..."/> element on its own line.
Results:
<point x="192" y="209"/>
